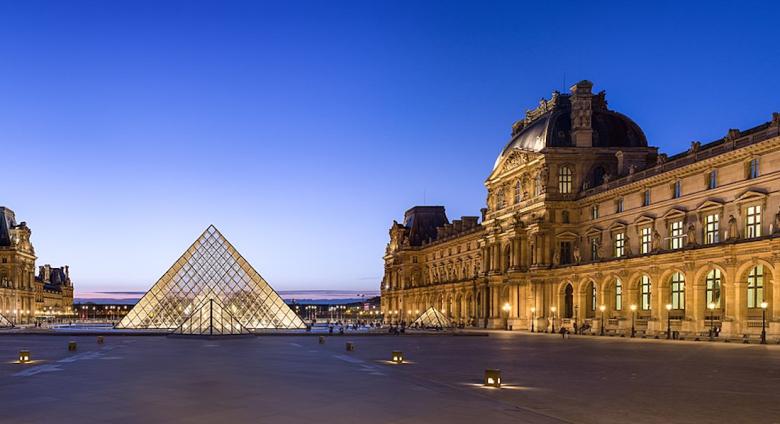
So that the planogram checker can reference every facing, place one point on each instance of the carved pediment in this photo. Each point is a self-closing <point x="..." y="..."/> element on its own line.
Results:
<point x="674" y="213"/>
<point x="567" y="235"/>
<point x="751" y="195"/>
<point x="709" y="204"/>
<point x="644" y="220"/>
<point x="617" y="226"/>
<point x="593" y="231"/>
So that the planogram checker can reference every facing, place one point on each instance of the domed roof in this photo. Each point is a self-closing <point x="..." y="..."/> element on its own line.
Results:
<point x="550" y="125"/>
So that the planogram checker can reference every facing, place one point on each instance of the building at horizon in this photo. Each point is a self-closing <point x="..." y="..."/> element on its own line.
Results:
<point x="25" y="296"/>
<point x="586" y="223"/>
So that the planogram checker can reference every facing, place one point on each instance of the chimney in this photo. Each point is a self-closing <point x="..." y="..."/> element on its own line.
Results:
<point x="581" y="114"/>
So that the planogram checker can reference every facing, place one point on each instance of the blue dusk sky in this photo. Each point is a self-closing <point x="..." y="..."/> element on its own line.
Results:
<point x="302" y="129"/>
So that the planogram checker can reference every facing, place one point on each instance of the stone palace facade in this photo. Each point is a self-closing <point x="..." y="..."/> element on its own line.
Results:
<point x="585" y="222"/>
<point x="23" y="295"/>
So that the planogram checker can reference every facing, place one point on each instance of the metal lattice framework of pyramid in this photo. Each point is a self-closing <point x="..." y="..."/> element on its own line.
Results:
<point x="211" y="319"/>
<point x="432" y="318"/>
<point x="4" y="323"/>
<point x="211" y="269"/>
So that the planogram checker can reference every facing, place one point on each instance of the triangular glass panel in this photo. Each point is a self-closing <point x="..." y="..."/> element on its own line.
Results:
<point x="4" y="323"/>
<point x="432" y="318"/>
<point x="211" y="318"/>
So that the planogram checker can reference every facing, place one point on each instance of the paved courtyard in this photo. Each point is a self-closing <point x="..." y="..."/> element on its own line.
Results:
<point x="294" y="379"/>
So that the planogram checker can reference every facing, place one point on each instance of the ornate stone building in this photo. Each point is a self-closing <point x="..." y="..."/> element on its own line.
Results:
<point x="23" y="296"/>
<point x="582" y="215"/>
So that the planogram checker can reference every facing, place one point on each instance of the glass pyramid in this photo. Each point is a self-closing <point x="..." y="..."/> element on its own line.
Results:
<point x="211" y="269"/>
<point x="211" y="319"/>
<point x="432" y="318"/>
<point x="4" y="323"/>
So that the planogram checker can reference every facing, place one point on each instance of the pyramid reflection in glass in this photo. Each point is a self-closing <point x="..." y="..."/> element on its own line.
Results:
<point x="211" y="287"/>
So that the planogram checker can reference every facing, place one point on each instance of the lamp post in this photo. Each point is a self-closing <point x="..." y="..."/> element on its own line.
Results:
<point x="763" y="322"/>
<point x="507" y="307"/>
<point x="552" y="309"/>
<point x="633" y="318"/>
<point x="602" y="308"/>
<point x="668" y="321"/>
<point x="533" y="318"/>
<point x="711" y="307"/>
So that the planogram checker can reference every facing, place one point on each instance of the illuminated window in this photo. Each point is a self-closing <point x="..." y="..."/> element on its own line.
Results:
<point x="593" y="299"/>
<point x="753" y="222"/>
<point x="678" y="290"/>
<point x="645" y="293"/>
<point x="646" y="240"/>
<point x="713" y="288"/>
<point x="564" y="180"/>
<point x="711" y="229"/>
<point x="676" y="234"/>
<point x="755" y="287"/>
<point x="594" y="249"/>
<point x="618" y="295"/>
<point x="594" y="212"/>
<point x="620" y="242"/>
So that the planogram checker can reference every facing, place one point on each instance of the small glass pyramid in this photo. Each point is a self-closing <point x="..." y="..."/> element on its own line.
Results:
<point x="432" y="318"/>
<point x="4" y="323"/>
<point x="211" y="269"/>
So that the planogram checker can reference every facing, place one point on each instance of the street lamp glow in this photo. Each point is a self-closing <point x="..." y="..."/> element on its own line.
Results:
<point x="764" y="305"/>
<point x="553" y="308"/>
<point x="633" y="307"/>
<point x="668" y="306"/>
<point x="711" y="306"/>
<point x="507" y="307"/>
<point x="602" y="308"/>
<point x="533" y="310"/>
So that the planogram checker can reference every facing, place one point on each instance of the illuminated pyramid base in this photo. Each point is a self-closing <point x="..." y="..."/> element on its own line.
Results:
<point x="432" y="318"/>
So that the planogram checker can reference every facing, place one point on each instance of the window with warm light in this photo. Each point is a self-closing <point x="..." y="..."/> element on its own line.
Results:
<point x="594" y="212"/>
<point x="593" y="299"/>
<point x="712" y="290"/>
<point x="618" y="295"/>
<point x="646" y="240"/>
<point x="620" y="242"/>
<point x="565" y="180"/>
<point x="678" y="290"/>
<point x="753" y="221"/>
<point x="676" y="235"/>
<point x="645" y="289"/>
<point x="755" y="287"/>
<point x="711" y="228"/>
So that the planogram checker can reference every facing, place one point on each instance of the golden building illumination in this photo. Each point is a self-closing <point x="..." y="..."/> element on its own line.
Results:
<point x="583" y="213"/>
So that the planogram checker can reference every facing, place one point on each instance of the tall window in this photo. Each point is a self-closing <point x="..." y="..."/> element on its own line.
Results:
<point x="713" y="288"/>
<point x="711" y="229"/>
<point x="564" y="180"/>
<point x="712" y="180"/>
<point x="646" y="240"/>
<point x="594" y="249"/>
<point x="755" y="287"/>
<point x="645" y="293"/>
<point x="566" y="252"/>
<point x="646" y="198"/>
<point x="753" y="168"/>
<point x="678" y="290"/>
<point x="619" y="205"/>
<point x="676" y="233"/>
<point x="594" y="212"/>
<point x="620" y="244"/>
<point x="501" y="199"/>
<point x="518" y="191"/>
<point x="618" y="295"/>
<point x="753" y="221"/>
<point x="677" y="189"/>
<point x="593" y="300"/>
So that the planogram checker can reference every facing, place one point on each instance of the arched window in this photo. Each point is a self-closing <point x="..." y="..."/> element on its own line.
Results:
<point x="564" y="180"/>
<point x="755" y="287"/>
<point x="618" y="295"/>
<point x="678" y="290"/>
<point x="645" y="289"/>
<point x="713" y="288"/>
<point x="568" y="301"/>
<point x="518" y="191"/>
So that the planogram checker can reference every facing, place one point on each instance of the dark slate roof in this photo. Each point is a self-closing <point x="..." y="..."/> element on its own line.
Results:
<point x="421" y="223"/>
<point x="7" y="221"/>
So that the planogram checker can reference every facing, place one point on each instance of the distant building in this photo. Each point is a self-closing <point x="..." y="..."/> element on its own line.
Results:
<point x="582" y="214"/>
<point x="23" y="295"/>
